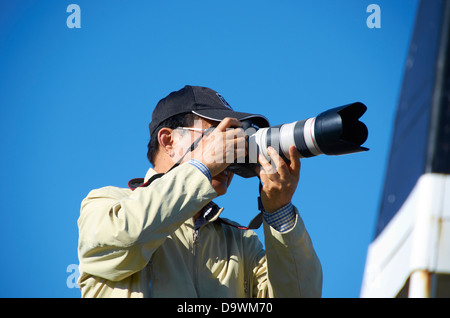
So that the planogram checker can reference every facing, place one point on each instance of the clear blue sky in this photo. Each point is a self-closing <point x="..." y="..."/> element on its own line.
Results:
<point x="75" y="105"/>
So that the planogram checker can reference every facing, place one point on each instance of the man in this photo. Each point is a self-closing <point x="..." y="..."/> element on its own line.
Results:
<point x="166" y="238"/>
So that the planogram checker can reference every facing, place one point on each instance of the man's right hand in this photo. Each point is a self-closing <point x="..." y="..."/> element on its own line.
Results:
<point x="219" y="148"/>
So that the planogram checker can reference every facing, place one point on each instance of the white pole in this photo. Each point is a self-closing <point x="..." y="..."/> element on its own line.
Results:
<point x="419" y="284"/>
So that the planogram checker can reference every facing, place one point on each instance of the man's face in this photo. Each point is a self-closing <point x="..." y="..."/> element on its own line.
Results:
<point x="221" y="181"/>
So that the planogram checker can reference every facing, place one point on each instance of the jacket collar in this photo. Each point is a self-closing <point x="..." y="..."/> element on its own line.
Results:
<point x="138" y="182"/>
<point x="150" y="173"/>
<point x="211" y="212"/>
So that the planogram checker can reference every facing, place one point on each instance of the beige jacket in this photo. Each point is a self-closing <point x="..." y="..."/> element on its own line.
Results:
<point x="142" y="243"/>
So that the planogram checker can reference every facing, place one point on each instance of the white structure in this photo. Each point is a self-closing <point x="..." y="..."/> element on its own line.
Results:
<point x="413" y="251"/>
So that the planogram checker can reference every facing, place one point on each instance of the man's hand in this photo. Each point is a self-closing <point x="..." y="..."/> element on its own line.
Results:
<point x="278" y="185"/>
<point x="218" y="149"/>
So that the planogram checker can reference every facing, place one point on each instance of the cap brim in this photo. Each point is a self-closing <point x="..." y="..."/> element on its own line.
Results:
<point x="220" y="114"/>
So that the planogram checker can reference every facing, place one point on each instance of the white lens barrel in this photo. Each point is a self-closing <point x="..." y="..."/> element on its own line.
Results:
<point x="299" y="133"/>
<point x="287" y="138"/>
<point x="310" y="138"/>
<point x="261" y="140"/>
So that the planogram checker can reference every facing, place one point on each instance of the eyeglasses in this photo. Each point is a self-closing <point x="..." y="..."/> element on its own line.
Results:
<point x="194" y="129"/>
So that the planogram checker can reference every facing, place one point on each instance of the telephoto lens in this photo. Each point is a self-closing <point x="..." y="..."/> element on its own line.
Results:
<point x="337" y="131"/>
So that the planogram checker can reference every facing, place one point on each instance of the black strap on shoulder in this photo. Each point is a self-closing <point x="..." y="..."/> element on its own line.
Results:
<point x="139" y="182"/>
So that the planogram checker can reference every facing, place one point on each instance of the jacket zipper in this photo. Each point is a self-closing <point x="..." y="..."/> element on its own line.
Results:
<point x="195" y="241"/>
<point x="195" y="244"/>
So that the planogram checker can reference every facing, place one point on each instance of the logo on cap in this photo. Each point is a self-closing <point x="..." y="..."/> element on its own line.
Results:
<point x="224" y="102"/>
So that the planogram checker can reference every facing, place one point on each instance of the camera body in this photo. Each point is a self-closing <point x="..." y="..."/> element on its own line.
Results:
<point x="337" y="131"/>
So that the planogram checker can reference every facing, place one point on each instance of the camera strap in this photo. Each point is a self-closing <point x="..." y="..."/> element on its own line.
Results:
<point x="256" y="222"/>
<point x="139" y="182"/>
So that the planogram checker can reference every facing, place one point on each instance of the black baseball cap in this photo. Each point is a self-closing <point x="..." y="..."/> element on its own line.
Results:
<point x="201" y="101"/>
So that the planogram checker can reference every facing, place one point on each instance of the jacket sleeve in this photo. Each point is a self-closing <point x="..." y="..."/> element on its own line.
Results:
<point x="290" y="266"/>
<point x="119" y="230"/>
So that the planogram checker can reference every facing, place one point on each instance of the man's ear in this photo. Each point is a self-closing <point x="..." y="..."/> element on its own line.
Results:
<point x="165" y="139"/>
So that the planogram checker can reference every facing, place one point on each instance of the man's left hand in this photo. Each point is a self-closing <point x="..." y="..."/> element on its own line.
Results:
<point x="278" y="184"/>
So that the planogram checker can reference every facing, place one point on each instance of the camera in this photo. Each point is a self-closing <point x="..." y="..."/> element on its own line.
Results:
<point x="337" y="131"/>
